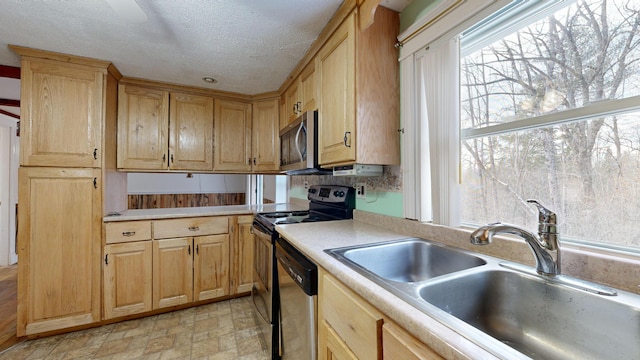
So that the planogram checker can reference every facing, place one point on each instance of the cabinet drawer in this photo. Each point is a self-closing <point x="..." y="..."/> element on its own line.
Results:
<point x="127" y="231"/>
<point x="355" y="321"/>
<point x="186" y="227"/>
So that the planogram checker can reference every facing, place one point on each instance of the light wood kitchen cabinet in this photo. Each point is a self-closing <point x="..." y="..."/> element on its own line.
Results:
<point x="397" y="344"/>
<point x="210" y="267"/>
<point x="265" y="136"/>
<point x="172" y="272"/>
<point x="162" y="130"/>
<point x="67" y="183"/>
<point x="351" y="328"/>
<point x="359" y="105"/>
<point x="333" y="347"/>
<point x="59" y="247"/>
<point x="242" y="255"/>
<point x="356" y="323"/>
<point x="143" y="126"/>
<point x="190" y="132"/>
<point x="62" y="114"/>
<point x="127" y="285"/>
<point x="190" y="260"/>
<point x="232" y="136"/>
<point x="127" y="231"/>
<point x="300" y="96"/>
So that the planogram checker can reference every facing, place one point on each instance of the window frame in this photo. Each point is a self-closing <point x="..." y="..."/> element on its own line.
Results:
<point x="456" y="22"/>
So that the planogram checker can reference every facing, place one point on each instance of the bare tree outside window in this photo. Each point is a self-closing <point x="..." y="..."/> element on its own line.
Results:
<point x="587" y="170"/>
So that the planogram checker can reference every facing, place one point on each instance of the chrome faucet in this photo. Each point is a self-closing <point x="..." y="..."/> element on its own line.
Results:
<point x="545" y="245"/>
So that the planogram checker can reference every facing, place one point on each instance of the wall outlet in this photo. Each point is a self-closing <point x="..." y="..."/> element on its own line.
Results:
<point x="306" y="185"/>
<point x="361" y="190"/>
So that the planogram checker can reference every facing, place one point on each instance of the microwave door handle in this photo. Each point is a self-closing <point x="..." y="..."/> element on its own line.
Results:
<point x="298" y="141"/>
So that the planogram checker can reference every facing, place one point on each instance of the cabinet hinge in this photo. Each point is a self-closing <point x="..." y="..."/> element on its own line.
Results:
<point x="106" y="259"/>
<point x="95" y="183"/>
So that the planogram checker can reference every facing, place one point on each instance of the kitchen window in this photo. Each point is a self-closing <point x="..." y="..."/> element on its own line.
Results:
<point x="549" y="108"/>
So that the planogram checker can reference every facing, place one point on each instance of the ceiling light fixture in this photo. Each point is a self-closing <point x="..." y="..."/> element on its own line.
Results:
<point x="209" y="79"/>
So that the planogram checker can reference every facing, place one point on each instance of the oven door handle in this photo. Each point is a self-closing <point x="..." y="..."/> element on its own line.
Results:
<point x="254" y="295"/>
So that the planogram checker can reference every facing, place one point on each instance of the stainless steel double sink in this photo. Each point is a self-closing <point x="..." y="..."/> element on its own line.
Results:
<point x="505" y="308"/>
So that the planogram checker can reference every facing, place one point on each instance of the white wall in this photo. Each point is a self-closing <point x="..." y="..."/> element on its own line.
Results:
<point x="9" y="162"/>
<point x="147" y="183"/>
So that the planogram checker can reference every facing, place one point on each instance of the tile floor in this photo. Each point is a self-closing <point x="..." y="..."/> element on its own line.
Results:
<point x="223" y="330"/>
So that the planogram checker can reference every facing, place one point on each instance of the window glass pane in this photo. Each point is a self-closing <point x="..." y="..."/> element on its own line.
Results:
<point x="588" y="172"/>
<point x="584" y="53"/>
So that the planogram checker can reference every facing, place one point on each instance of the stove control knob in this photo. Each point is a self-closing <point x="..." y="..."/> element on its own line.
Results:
<point x="338" y="193"/>
<point x="312" y="191"/>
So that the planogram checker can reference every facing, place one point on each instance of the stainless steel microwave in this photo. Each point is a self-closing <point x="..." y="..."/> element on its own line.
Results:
<point x="299" y="146"/>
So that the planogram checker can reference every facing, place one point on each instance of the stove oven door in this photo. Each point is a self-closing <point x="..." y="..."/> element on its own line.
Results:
<point x="262" y="291"/>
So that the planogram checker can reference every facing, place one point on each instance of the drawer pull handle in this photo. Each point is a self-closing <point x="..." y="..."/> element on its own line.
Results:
<point x="128" y="233"/>
<point x="193" y="228"/>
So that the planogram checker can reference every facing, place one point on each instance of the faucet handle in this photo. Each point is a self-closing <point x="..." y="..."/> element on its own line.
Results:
<point x="545" y="216"/>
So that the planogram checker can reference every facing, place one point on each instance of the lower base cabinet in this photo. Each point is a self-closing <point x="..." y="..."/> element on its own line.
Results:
<point x="142" y="272"/>
<point x="127" y="279"/>
<point x="350" y="328"/>
<point x="172" y="272"/>
<point x="211" y="267"/>
<point x="397" y="344"/>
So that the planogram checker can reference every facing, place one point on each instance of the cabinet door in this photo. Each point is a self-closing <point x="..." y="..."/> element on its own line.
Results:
<point x="356" y="322"/>
<point x="331" y="347"/>
<point x="127" y="278"/>
<point x="172" y="272"/>
<point x="266" y="136"/>
<point x="336" y="108"/>
<point x="232" y="123"/>
<point x="61" y="113"/>
<point x="211" y="267"/>
<point x="308" y="88"/>
<point x="143" y="123"/>
<point x="397" y="344"/>
<point x="59" y="246"/>
<point x="191" y="132"/>
<point x="292" y="101"/>
<point x="242" y="255"/>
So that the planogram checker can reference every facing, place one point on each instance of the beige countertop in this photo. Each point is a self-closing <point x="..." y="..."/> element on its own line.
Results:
<point x="169" y="213"/>
<point x="313" y="238"/>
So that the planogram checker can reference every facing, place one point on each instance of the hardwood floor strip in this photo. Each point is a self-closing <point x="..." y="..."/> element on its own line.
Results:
<point x="8" y="306"/>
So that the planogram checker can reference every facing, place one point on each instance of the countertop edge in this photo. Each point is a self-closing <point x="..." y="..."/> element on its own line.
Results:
<point x="171" y="213"/>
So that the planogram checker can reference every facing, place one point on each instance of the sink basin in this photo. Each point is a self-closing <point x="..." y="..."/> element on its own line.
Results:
<point x="408" y="260"/>
<point x="541" y="319"/>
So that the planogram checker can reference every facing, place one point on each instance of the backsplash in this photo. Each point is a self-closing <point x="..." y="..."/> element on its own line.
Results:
<point x="158" y="201"/>
<point x="383" y="195"/>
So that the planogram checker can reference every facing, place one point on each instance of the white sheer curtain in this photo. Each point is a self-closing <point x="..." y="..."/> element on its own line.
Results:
<point x="431" y="148"/>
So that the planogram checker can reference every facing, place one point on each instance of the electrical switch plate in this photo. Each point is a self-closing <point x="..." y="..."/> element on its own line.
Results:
<point x="361" y="190"/>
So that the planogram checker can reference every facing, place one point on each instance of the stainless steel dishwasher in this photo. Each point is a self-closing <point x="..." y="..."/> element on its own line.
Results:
<point x="298" y="285"/>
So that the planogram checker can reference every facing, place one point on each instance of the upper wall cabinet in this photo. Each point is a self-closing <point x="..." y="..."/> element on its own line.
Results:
<point x="161" y="130"/>
<point x="300" y="96"/>
<point x="265" y="136"/>
<point x="62" y="114"/>
<point x="143" y="126"/>
<point x="232" y="136"/>
<point x="358" y="93"/>
<point x="190" y="132"/>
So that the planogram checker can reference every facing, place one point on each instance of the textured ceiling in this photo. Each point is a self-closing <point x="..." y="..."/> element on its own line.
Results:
<point x="249" y="46"/>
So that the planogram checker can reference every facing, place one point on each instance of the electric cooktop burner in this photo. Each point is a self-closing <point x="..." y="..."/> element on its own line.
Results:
<point x="275" y="215"/>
